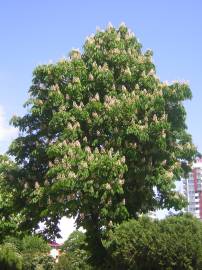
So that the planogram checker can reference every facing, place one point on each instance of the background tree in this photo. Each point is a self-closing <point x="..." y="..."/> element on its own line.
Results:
<point x="34" y="252"/>
<point x="10" y="258"/>
<point x="74" y="253"/>
<point x="144" y="244"/>
<point x="103" y="140"/>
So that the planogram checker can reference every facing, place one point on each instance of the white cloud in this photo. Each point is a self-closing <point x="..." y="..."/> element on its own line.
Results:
<point x="7" y="133"/>
<point x="66" y="226"/>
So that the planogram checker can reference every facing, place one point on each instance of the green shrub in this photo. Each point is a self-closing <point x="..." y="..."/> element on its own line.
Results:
<point x="75" y="256"/>
<point x="10" y="259"/>
<point x="34" y="252"/>
<point x="173" y="243"/>
<point x="39" y="262"/>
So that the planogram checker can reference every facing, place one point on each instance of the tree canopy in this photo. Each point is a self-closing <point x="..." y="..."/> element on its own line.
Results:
<point x="103" y="139"/>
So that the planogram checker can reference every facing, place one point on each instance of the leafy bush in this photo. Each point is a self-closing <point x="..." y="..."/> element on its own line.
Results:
<point x="10" y="259"/>
<point x="39" y="262"/>
<point x="34" y="252"/>
<point x="34" y="244"/>
<point x="173" y="243"/>
<point x="74" y="255"/>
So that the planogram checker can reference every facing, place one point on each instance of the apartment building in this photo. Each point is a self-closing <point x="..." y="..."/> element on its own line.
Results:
<point x="192" y="187"/>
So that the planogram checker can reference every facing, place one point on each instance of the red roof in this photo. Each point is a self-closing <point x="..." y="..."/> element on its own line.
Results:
<point x="54" y="244"/>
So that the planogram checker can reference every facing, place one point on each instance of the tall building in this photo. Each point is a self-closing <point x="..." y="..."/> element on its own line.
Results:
<point x="193" y="190"/>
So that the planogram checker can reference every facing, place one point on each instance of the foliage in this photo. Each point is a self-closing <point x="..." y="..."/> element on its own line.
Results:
<point x="76" y="240"/>
<point x="34" y="244"/>
<point x="10" y="259"/>
<point x="173" y="243"/>
<point x="34" y="252"/>
<point x="73" y="261"/>
<point x="75" y="256"/>
<point x="9" y="220"/>
<point x="103" y="140"/>
<point x="38" y="262"/>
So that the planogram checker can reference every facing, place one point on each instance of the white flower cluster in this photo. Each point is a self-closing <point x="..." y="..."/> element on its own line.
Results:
<point x="75" y="54"/>
<point x="163" y="134"/>
<point x="169" y="174"/>
<point x="65" y="143"/>
<point x="94" y="114"/>
<point x="118" y="37"/>
<point x="151" y="72"/>
<point x="61" y="177"/>
<point x="127" y="71"/>
<point x="6" y="162"/>
<point x="75" y="144"/>
<point x="73" y="126"/>
<point x="110" y="101"/>
<point x="108" y="186"/>
<point x="36" y="185"/>
<point x="123" y="159"/>
<point x="76" y="80"/>
<point x="110" y="223"/>
<point x="71" y="197"/>
<point x="26" y="185"/>
<point x="83" y="165"/>
<point x="46" y="182"/>
<point x="155" y="119"/>
<point x="142" y="60"/>
<point x="90" y="157"/>
<point x="109" y="26"/>
<point x="103" y="68"/>
<point x="132" y="145"/>
<point x="95" y="98"/>
<point x="189" y="146"/>
<point x="165" y="83"/>
<point x="88" y="149"/>
<point x="55" y="87"/>
<point x="94" y="64"/>
<point x="164" y="162"/>
<point x="82" y="216"/>
<point x="90" y="39"/>
<point x="71" y="175"/>
<point x="115" y="51"/>
<point x="131" y="33"/>
<point x="90" y="77"/>
<point x="122" y="24"/>
<point x="121" y="182"/>
<point x="78" y="106"/>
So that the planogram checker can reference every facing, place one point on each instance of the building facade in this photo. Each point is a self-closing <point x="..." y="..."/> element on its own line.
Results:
<point x="55" y="250"/>
<point x="192" y="187"/>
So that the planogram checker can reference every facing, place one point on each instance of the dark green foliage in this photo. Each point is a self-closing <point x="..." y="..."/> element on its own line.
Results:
<point x="39" y="261"/>
<point x="173" y="243"/>
<point x="34" y="244"/>
<point x="75" y="256"/>
<point x="10" y="259"/>
<point x="34" y="252"/>
<point x="9" y="219"/>
<point x="76" y="240"/>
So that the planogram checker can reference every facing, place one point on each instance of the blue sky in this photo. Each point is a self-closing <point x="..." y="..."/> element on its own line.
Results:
<point x="34" y="32"/>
